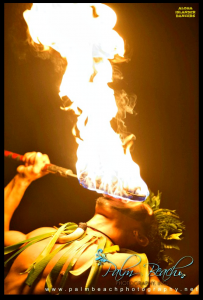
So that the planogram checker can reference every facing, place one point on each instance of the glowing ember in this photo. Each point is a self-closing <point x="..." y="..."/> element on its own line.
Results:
<point x="84" y="35"/>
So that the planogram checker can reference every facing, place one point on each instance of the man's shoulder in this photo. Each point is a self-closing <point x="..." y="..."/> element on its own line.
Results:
<point x="13" y="237"/>
<point x="39" y="231"/>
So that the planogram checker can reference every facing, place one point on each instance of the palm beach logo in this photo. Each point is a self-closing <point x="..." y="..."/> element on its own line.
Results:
<point x="165" y="274"/>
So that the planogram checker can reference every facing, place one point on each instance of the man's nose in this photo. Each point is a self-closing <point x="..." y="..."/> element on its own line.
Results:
<point x="148" y="209"/>
<point x="142" y="211"/>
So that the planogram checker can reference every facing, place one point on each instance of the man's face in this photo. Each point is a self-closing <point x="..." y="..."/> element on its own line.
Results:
<point x="124" y="217"/>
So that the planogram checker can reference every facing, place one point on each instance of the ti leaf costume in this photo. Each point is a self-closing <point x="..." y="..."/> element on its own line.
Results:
<point x="73" y="253"/>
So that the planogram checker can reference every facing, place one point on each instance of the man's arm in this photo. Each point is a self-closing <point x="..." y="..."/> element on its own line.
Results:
<point x="14" y="191"/>
<point x="13" y="194"/>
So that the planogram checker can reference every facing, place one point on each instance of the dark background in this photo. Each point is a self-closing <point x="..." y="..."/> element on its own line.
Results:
<point x="163" y="73"/>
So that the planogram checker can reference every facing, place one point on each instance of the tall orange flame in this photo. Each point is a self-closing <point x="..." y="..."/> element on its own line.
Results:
<point x="87" y="40"/>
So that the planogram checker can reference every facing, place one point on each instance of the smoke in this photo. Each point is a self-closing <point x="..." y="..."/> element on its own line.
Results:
<point x="38" y="50"/>
<point x="125" y="101"/>
<point x="125" y="104"/>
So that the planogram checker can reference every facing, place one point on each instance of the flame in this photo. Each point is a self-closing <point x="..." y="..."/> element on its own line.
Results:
<point x="84" y="35"/>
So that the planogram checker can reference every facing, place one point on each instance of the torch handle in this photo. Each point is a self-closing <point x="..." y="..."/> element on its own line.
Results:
<point x="13" y="155"/>
<point x="48" y="167"/>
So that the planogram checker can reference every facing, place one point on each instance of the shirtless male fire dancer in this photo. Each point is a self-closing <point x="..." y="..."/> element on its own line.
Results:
<point x="122" y="223"/>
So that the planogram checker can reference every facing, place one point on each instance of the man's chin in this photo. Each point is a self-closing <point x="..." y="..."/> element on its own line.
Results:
<point x="112" y="201"/>
<point x="106" y="200"/>
<point x="114" y="198"/>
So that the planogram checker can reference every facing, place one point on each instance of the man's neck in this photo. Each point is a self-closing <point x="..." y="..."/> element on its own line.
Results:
<point x="101" y="223"/>
<point x="98" y="222"/>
